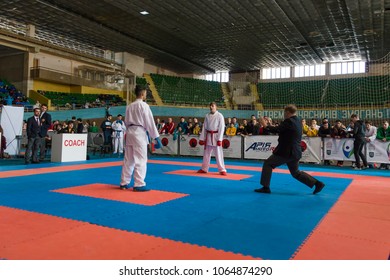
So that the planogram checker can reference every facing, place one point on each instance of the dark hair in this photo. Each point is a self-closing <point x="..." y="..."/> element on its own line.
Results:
<point x="139" y="89"/>
<point x="291" y="108"/>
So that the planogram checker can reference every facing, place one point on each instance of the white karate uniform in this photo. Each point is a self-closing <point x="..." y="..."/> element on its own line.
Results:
<point x="371" y="133"/>
<point x="212" y="131"/>
<point x="139" y="119"/>
<point x="118" y="130"/>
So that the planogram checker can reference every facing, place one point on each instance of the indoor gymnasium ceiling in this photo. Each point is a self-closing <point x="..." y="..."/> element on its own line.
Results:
<point x="217" y="35"/>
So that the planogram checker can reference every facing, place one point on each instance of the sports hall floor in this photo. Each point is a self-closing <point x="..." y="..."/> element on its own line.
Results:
<point x="76" y="211"/>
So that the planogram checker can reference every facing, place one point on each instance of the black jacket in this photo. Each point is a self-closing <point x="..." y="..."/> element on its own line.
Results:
<point x="323" y="132"/>
<point x="45" y="124"/>
<point x="290" y="136"/>
<point x="33" y="129"/>
<point x="359" y="131"/>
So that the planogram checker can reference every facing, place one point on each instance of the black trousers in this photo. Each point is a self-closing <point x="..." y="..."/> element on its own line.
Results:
<point x="33" y="146"/>
<point x="293" y="165"/>
<point x="358" y="152"/>
<point x="42" y="152"/>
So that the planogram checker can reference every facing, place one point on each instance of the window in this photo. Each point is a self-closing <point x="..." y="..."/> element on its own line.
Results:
<point x="222" y="77"/>
<point x="309" y="70"/>
<point x="276" y="73"/>
<point x="320" y="70"/>
<point x="351" y="67"/>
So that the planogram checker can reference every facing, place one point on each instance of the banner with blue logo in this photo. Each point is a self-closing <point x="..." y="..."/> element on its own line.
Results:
<point x="338" y="149"/>
<point x="259" y="147"/>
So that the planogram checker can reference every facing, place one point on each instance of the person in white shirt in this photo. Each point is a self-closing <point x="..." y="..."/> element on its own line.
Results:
<point x="139" y="123"/>
<point x="370" y="137"/>
<point x="118" y="130"/>
<point x="212" y="136"/>
<point x="370" y="131"/>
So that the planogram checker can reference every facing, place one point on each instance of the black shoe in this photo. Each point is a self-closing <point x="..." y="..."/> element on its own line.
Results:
<point x="124" y="187"/>
<point x="263" y="190"/>
<point x="318" y="187"/>
<point x="35" y="161"/>
<point x="140" y="189"/>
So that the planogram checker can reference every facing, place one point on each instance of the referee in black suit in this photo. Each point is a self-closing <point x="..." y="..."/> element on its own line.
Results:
<point x="45" y="125"/>
<point x="288" y="151"/>
<point x="34" y="137"/>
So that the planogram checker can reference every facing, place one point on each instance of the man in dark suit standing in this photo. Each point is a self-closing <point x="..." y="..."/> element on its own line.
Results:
<point x="288" y="151"/>
<point x="45" y="125"/>
<point x="34" y="137"/>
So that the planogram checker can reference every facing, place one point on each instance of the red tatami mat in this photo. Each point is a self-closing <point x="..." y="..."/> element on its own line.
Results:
<point x="34" y="236"/>
<point x="357" y="227"/>
<point x="214" y="175"/>
<point x="112" y="192"/>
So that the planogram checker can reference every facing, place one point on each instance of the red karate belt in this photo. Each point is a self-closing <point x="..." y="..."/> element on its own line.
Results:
<point x="212" y="137"/>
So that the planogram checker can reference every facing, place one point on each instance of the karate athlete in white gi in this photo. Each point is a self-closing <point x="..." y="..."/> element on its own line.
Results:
<point x="139" y="120"/>
<point x="118" y="132"/>
<point x="212" y="136"/>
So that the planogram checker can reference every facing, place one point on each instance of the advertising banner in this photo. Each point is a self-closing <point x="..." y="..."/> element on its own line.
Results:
<point x="332" y="114"/>
<point x="339" y="149"/>
<point x="232" y="146"/>
<point x="378" y="152"/>
<point x="311" y="149"/>
<point x="169" y="146"/>
<point x="259" y="146"/>
<point x="189" y="146"/>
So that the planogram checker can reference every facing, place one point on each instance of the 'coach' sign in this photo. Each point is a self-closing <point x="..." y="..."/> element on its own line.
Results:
<point x="69" y="147"/>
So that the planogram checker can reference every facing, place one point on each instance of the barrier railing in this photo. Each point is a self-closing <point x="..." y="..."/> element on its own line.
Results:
<point x="314" y="149"/>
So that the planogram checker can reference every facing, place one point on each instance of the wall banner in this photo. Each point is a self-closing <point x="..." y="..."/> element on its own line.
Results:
<point x="378" y="151"/>
<point x="311" y="149"/>
<point x="339" y="149"/>
<point x="169" y="146"/>
<point x="259" y="146"/>
<point x="189" y="146"/>
<point x="232" y="146"/>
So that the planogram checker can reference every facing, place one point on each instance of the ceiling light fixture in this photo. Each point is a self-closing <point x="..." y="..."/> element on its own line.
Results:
<point x="144" y="13"/>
